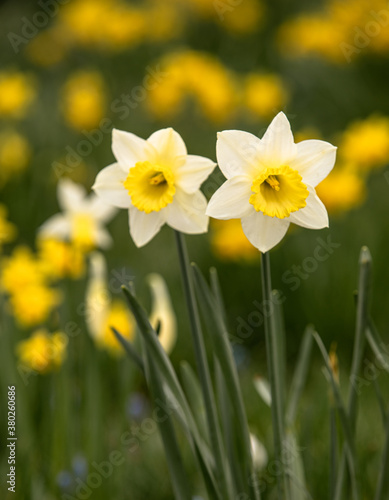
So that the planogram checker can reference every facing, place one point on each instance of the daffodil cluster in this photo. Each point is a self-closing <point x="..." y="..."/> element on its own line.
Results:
<point x="270" y="183"/>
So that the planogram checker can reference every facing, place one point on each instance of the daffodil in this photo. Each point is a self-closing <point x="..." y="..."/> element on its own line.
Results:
<point x="82" y="219"/>
<point x="271" y="182"/>
<point x="42" y="352"/>
<point x="104" y="312"/>
<point x="158" y="182"/>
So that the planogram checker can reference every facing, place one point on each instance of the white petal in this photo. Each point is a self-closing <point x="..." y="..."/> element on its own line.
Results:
<point x="57" y="226"/>
<point x="143" y="227"/>
<point x="109" y="186"/>
<point x="314" y="160"/>
<point x="129" y="149"/>
<point x="169" y="146"/>
<point x="314" y="215"/>
<point x="99" y="209"/>
<point x="231" y="200"/>
<point x="71" y="196"/>
<point x="103" y="238"/>
<point x="279" y="147"/>
<point x="193" y="173"/>
<point x="187" y="213"/>
<point x="238" y="153"/>
<point x="264" y="232"/>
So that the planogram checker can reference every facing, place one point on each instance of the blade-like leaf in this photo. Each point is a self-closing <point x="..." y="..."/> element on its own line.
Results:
<point x="300" y="375"/>
<point x="180" y="480"/>
<point x="222" y="350"/>
<point x="165" y="370"/>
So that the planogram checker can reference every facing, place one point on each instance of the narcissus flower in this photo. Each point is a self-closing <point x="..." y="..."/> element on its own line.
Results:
<point x="271" y="182"/>
<point x="158" y="182"/>
<point x="82" y="219"/>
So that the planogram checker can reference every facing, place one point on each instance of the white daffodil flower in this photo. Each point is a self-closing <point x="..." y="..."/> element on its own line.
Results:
<point x="82" y="219"/>
<point x="271" y="182"/>
<point x="158" y="182"/>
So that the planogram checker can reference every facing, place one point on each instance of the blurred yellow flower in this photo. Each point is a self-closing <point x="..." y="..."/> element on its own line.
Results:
<point x="61" y="259"/>
<point x="312" y="34"/>
<point x="7" y="229"/>
<point x="48" y="47"/>
<point x="84" y="100"/>
<point x="103" y="312"/>
<point x="15" y="153"/>
<point x="105" y="24"/>
<point x="20" y="270"/>
<point x="199" y="76"/>
<point x="120" y="318"/>
<point x="32" y="304"/>
<point x="229" y="242"/>
<point x="42" y="352"/>
<point x="264" y="94"/>
<point x="365" y="143"/>
<point x="17" y="91"/>
<point x="245" y="17"/>
<point x="342" y="190"/>
<point x="163" y="21"/>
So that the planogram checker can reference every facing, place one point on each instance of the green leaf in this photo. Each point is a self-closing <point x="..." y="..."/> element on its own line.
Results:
<point x="166" y="371"/>
<point x="382" y="492"/>
<point x="195" y="398"/>
<point x="344" y="419"/>
<point x="180" y="480"/>
<point x="300" y="375"/>
<point x="222" y="349"/>
<point x="295" y="469"/>
<point x="128" y="347"/>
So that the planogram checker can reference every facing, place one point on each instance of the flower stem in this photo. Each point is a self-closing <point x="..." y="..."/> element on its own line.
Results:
<point x="203" y="368"/>
<point x="275" y="371"/>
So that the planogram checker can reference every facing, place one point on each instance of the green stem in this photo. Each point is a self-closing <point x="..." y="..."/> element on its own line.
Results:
<point x="202" y="367"/>
<point x="275" y="375"/>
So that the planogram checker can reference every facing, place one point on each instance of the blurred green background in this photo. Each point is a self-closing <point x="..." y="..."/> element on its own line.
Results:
<point x="73" y="70"/>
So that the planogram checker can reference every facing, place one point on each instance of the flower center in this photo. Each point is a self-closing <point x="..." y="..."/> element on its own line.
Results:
<point x="151" y="187"/>
<point x="277" y="192"/>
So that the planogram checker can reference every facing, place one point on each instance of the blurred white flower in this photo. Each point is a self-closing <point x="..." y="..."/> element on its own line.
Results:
<point x="271" y="182"/>
<point x="158" y="182"/>
<point x="259" y="453"/>
<point x="82" y="220"/>
<point x="263" y="388"/>
<point x="162" y="315"/>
